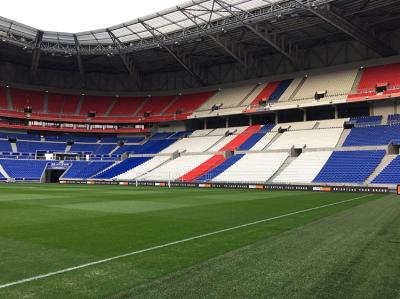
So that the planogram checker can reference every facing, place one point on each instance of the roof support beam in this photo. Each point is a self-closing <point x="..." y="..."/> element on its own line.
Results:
<point x="127" y="61"/>
<point x="230" y="48"/>
<point x="279" y="43"/>
<point x="326" y="13"/>
<point x="184" y="60"/>
<point x="36" y="55"/>
<point x="80" y="63"/>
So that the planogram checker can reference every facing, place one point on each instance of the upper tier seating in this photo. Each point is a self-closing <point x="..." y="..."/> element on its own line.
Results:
<point x="304" y="168"/>
<point x="176" y="168"/>
<point x="23" y="98"/>
<point x="212" y="173"/>
<point x="257" y="167"/>
<point x="96" y="149"/>
<point x="155" y="105"/>
<point x="100" y="105"/>
<point x="373" y="135"/>
<point x="255" y="138"/>
<point x="263" y="142"/>
<point x="121" y="167"/>
<point x="200" y="133"/>
<point x="349" y="167"/>
<point x="5" y="146"/>
<point x="366" y="120"/>
<point x="192" y="144"/>
<point x="143" y="168"/>
<point x="289" y="91"/>
<point x="126" y="106"/>
<point x="84" y="169"/>
<point x="390" y="174"/>
<point x="337" y="84"/>
<point x="371" y="76"/>
<point x="24" y="170"/>
<point x="228" y="97"/>
<point x="33" y="147"/>
<point x="188" y="103"/>
<point x="320" y="138"/>
<point x="394" y="119"/>
<point x="62" y="103"/>
<point x="149" y="147"/>
<point x="332" y="123"/>
<point x="3" y="98"/>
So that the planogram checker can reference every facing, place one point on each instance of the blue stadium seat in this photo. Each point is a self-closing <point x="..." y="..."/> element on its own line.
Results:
<point x="33" y="147"/>
<point x="374" y="135"/>
<point x="349" y="167"/>
<point x="24" y="170"/>
<point x="391" y="173"/>
<point x="85" y="169"/>
<point x="5" y="146"/>
<point x="219" y="169"/>
<point x="122" y="167"/>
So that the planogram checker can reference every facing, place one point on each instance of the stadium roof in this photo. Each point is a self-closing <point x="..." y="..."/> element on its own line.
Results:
<point x="204" y="42"/>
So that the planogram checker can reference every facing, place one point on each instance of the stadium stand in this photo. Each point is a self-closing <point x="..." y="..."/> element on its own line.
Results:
<point x="33" y="147"/>
<point x="121" y="167"/>
<point x="176" y="168"/>
<point x="349" y="166"/>
<point x="3" y="98"/>
<point x="99" y="105"/>
<point x="390" y="174"/>
<point x="320" y="138"/>
<point x="228" y="97"/>
<point x="84" y="169"/>
<point x="5" y="146"/>
<point x="337" y="85"/>
<point x="24" y="170"/>
<point x="388" y="73"/>
<point x="62" y="103"/>
<point x="155" y="105"/>
<point x="143" y="168"/>
<point x="126" y="106"/>
<point x="366" y="120"/>
<point x="257" y="167"/>
<point x="188" y="103"/>
<point x="23" y="98"/>
<point x="304" y="168"/>
<point x="372" y="135"/>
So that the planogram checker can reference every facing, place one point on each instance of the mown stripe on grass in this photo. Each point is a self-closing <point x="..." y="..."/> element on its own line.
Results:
<point x="106" y="260"/>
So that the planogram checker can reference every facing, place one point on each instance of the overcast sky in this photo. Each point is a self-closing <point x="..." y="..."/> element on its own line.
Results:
<point x="80" y="15"/>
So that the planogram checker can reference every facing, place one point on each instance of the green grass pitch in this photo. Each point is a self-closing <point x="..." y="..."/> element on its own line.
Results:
<point x="196" y="243"/>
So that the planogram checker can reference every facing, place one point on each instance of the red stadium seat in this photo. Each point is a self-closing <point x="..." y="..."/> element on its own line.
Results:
<point x="188" y="103"/>
<point x="62" y="103"/>
<point x="25" y="98"/>
<point x="126" y="106"/>
<point x="3" y="97"/>
<point x="100" y="105"/>
<point x="155" y="105"/>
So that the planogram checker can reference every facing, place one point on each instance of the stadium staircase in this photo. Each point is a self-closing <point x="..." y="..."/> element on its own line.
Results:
<point x="3" y="172"/>
<point x="343" y="137"/>
<point x="384" y="163"/>
<point x="285" y="164"/>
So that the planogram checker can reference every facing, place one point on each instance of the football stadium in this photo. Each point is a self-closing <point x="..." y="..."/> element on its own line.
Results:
<point x="215" y="149"/>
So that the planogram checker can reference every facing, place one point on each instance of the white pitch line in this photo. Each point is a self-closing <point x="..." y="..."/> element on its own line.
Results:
<point x="10" y="284"/>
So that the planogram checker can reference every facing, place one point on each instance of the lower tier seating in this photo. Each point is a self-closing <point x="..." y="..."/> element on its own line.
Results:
<point x="257" y="167"/>
<point x="349" y="167"/>
<point x="24" y="170"/>
<point x="84" y="169"/>
<point x="390" y="174"/>
<point x="304" y="168"/>
<point x="176" y="168"/>
<point x="143" y="168"/>
<point x="121" y="167"/>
